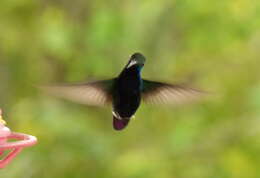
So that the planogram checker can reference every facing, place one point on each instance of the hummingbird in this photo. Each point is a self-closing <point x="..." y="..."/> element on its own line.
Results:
<point x="125" y="92"/>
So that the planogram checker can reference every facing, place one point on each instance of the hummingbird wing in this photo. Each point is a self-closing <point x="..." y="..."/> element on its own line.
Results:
<point x="163" y="93"/>
<point x="97" y="93"/>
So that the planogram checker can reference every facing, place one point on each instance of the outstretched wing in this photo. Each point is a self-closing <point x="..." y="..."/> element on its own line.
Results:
<point x="160" y="93"/>
<point x="97" y="93"/>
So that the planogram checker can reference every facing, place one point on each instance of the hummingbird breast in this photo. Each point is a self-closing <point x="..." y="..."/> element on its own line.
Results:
<point x="127" y="96"/>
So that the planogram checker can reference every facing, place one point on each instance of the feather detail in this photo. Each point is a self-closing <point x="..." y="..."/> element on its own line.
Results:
<point x="163" y="93"/>
<point x="98" y="93"/>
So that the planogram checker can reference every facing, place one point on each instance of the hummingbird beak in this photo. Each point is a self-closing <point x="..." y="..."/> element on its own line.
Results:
<point x="133" y="62"/>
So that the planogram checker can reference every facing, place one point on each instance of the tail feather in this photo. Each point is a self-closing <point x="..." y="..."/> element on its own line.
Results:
<point x="120" y="124"/>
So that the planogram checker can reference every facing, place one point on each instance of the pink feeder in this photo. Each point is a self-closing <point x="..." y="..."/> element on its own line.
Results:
<point x="22" y="140"/>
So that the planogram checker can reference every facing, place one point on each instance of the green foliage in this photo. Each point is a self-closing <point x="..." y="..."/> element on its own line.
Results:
<point x="63" y="41"/>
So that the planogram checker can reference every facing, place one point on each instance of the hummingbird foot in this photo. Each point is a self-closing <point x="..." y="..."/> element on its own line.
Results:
<point x="116" y="115"/>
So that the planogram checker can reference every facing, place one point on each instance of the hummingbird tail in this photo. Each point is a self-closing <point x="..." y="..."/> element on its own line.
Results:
<point x="120" y="124"/>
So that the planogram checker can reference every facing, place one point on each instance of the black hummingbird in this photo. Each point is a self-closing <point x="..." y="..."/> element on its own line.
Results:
<point x="125" y="92"/>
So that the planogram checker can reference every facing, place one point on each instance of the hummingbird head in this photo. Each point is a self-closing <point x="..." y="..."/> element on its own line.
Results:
<point x="137" y="59"/>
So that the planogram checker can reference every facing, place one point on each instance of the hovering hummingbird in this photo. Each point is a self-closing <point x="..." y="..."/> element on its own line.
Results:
<point x="125" y="92"/>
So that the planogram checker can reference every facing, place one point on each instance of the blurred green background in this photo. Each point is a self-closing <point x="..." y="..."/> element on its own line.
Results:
<point x="49" y="41"/>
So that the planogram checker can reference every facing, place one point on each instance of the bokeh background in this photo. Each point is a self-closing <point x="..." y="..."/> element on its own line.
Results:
<point x="214" y="44"/>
